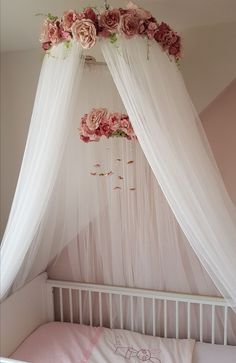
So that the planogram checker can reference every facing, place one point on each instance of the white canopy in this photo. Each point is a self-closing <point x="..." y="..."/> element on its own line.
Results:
<point x="57" y="201"/>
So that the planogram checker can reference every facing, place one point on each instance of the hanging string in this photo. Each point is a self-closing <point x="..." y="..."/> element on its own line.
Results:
<point x="106" y="5"/>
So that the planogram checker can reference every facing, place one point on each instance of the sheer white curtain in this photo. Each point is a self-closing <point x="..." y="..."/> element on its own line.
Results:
<point x="54" y="107"/>
<point x="119" y="237"/>
<point x="174" y="143"/>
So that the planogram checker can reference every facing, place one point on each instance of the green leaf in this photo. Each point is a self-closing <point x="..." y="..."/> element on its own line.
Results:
<point x="113" y="38"/>
<point x="67" y="44"/>
<point x="52" y="17"/>
<point x="40" y="14"/>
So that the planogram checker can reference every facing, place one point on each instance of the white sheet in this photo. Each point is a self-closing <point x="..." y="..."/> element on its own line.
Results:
<point x="212" y="353"/>
<point x="74" y="343"/>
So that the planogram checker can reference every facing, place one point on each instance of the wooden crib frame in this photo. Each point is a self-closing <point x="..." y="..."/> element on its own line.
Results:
<point x="33" y="305"/>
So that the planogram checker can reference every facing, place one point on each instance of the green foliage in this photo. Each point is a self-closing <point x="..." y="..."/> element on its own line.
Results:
<point x="118" y="133"/>
<point x="67" y="44"/>
<point x="113" y="38"/>
<point x="48" y="16"/>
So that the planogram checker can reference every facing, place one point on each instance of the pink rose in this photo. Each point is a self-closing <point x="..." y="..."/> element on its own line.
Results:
<point x="151" y="29"/>
<point x="114" y="121"/>
<point x="84" y="32"/>
<point x="129" y="25"/>
<point x="175" y="48"/>
<point x="105" y="129"/>
<point x="84" y="130"/>
<point x="66" y="35"/>
<point x="162" y="32"/>
<point x="141" y="13"/>
<point x="84" y="138"/>
<point x="68" y="19"/>
<point x="95" y="117"/>
<point x="124" y="124"/>
<point x="50" y="32"/>
<point x="90" y="14"/>
<point x="110" y="19"/>
<point x="46" y="46"/>
<point x="142" y="27"/>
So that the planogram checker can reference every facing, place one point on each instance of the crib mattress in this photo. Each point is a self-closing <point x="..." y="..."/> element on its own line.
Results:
<point x="74" y="343"/>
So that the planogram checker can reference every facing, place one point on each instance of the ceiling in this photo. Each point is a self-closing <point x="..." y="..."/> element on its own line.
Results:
<point x="20" y="27"/>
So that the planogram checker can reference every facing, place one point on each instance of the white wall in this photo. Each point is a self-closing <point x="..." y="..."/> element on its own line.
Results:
<point x="209" y="62"/>
<point x="209" y="65"/>
<point x="19" y="76"/>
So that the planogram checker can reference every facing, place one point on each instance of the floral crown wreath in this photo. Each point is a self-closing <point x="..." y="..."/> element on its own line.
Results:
<point x="90" y="25"/>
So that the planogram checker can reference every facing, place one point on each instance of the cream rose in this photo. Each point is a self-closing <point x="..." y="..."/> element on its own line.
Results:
<point x="95" y="117"/>
<point x="84" y="32"/>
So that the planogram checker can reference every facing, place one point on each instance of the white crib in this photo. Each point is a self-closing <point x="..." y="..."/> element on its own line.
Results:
<point x="44" y="300"/>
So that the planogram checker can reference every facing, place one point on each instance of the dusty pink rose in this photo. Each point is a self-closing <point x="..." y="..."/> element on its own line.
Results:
<point x="162" y="32"/>
<point x="50" y="32"/>
<point x="65" y="35"/>
<point x="125" y="125"/>
<point x="105" y="129"/>
<point x="95" y="117"/>
<point x="114" y="121"/>
<point x="141" y="13"/>
<point x="46" y="46"/>
<point x="151" y="29"/>
<point x="175" y="48"/>
<point x="90" y="14"/>
<point x="68" y="19"/>
<point x="142" y="27"/>
<point x="110" y="19"/>
<point x="129" y="24"/>
<point x="44" y="37"/>
<point x="84" y="138"/>
<point x="84" y="128"/>
<point x="84" y="32"/>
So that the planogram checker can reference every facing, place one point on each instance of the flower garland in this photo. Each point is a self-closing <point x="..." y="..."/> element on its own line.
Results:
<point x="99" y="122"/>
<point x="88" y="26"/>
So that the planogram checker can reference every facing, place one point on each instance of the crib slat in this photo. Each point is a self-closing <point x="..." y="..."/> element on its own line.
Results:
<point x="71" y="306"/>
<point x="201" y="322"/>
<point x="61" y="305"/>
<point x="225" y="325"/>
<point x="165" y="319"/>
<point x="154" y="317"/>
<point x="143" y="317"/>
<point x="100" y="308"/>
<point x="110" y="310"/>
<point x="188" y="320"/>
<point x="121" y="313"/>
<point x="80" y="308"/>
<point x="213" y="324"/>
<point x="177" y="319"/>
<point x="132" y="312"/>
<point x="90" y="309"/>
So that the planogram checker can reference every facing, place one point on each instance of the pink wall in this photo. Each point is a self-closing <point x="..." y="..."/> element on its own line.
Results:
<point x="219" y="121"/>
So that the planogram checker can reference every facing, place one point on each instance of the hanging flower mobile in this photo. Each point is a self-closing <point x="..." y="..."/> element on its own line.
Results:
<point x="98" y="122"/>
<point x="88" y="26"/>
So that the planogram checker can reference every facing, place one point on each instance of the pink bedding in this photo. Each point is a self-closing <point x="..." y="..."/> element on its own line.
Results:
<point x="73" y="343"/>
<point x="59" y="342"/>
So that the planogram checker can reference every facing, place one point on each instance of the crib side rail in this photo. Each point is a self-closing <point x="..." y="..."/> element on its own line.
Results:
<point x="160" y="306"/>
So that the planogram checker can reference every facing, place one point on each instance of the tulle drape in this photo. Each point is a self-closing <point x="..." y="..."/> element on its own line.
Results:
<point x="126" y="236"/>
<point x="54" y="107"/>
<point x="174" y="143"/>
